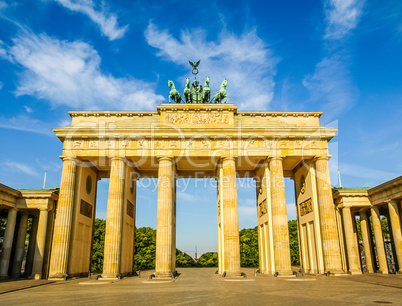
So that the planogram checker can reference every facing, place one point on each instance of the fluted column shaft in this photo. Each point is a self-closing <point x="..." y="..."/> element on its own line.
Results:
<point x="367" y="243"/>
<point x="379" y="240"/>
<point x="20" y="246"/>
<point x="352" y="250"/>
<point x="280" y="228"/>
<point x="40" y="244"/>
<point x="329" y="231"/>
<point x="230" y="218"/>
<point x="8" y="242"/>
<point x="31" y="247"/>
<point x="164" y="224"/>
<point x="63" y="222"/>
<point x="114" y="219"/>
<point x="396" y="230"/>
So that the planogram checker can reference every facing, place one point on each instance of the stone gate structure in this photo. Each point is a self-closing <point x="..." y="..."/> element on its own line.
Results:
<point x="196" y="141"/>
<point x="203" y="141"/>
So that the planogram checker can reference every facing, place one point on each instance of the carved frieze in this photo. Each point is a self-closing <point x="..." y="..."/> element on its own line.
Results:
<point x="196" y="118"/>
<point x="306" y="207"/>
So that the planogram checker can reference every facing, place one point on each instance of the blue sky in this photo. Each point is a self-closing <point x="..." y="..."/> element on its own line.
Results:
<point x="340" y="57"/>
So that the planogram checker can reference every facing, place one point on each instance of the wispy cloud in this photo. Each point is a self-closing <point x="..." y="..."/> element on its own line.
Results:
<point x="331" y="85"/>
<point x="21" y="168"/>
<point x="68" y="73"/>
<point x="1" y="85"/>
<point x="25" y="123"/>
<point x="245" y="60"/>
<point x="341" y="17"/>
<point x="106" y="21"/>
<point x="3" y="5"/>
<point x="367" y="173"/>
<point x="28" y="109"/>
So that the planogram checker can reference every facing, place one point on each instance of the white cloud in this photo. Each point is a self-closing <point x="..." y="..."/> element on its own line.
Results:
<point x="331" y="85"/>
<point x="24" y="123"/>
<point x="1" y="85"/>
<point x="291" y="210"/>
<point x="245" y="60"/>
<point x="367" y="173"/>
<point x="68" y="73"/>
<point x="106" y="21"/>
<point x="3" y="5"/>
<point x="341" y="17"/>
<point x="247" y="213"/>
<point x="21" y="168"/>
<point x="28" y="109"/>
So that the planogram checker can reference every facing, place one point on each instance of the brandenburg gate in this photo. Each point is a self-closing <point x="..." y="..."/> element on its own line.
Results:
<point x="187" y="140"/>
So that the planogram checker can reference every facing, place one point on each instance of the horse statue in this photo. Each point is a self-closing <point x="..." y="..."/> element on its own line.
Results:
<point x="174" y="94"/>
<point x="221" y="93"/>
<point x="206" y="93"/>
<point x="187" y="91"/>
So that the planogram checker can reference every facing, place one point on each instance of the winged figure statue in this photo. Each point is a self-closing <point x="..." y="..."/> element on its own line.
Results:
<point x="194" y="65"/>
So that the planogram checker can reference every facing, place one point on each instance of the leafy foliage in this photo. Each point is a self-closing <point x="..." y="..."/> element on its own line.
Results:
<point x="3" y="223"/>
<point x="209" y="259"/>
<point x="144" y="248"/>
<point x="184" y="260"/>
<point x="98" y="246"/>
<point x="293" y="242"/>
<point x="249" y="247"/>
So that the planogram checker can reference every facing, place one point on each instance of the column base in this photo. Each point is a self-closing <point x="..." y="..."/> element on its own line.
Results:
<point x="381" y="272"/>
<point x="113" y="276"/>
<point x="164" y="275"/>
<point x="355" y="272"/>
<point x="286" y="273"/>
<point x="58" y="277"/>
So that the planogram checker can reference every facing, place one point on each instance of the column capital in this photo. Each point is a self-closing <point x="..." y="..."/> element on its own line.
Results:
<point x="228" y="158"/>
<point x="70" y="159"/>
<point x="118" y="158"/>
<point x="168" y="158"/>
<point x="391" y="201"/>
<point x="270" y="158"/>
<point x="321" y="157"/>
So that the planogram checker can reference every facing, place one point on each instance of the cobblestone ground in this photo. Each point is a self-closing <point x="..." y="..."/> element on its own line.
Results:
<point x="204" y="287"/>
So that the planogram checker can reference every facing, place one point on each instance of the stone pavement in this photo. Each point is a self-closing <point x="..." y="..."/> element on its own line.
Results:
<point x="203" y="287"/>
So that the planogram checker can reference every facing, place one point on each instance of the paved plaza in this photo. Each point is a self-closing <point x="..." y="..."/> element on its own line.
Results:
<point x="203" y="287"/>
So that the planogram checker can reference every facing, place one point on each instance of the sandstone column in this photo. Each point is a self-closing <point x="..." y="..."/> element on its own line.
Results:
<point x="230" y="218"/>
<point x="114" y="219"/>
<point x="63" y="222"/>
<point x="31" y="247"/>
<point x="352" y="249"/>
<point x="396" y="230"/>
<point x="8" y="242"/>
<point x="329" y="232"/>
<point x="40" y="244"/>
<point x="20" y="246"/>
<point x="379" y="241"/>
<point x="280" y="228"/>
<point x="366" y="235"/>
<point x="164" y="223"/>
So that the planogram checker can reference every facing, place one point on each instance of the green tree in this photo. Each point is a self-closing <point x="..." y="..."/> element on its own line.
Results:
<point x="3" y="223"/>
<point x="385" y="228"/>
<point x="249" y="247"/>
<point x="293" y="242"/>
<point x="184" y="260"/>
<point x="144" y="248"/>
<point x="209" y="259"/>
<point x="98" y="245"/>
